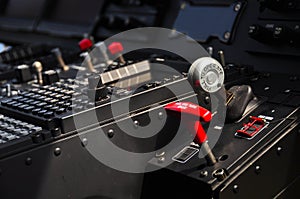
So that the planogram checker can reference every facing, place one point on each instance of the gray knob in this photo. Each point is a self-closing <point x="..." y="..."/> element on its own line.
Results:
<point x="207" y="73"/>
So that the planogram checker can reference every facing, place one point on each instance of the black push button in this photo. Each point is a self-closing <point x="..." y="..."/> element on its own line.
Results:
<point x="60" y="111"/>
<point x="56" y="132"/>
<point x="42" y="112"/>
<point x="35" y="111"/>
<point x="28" y="109"/>
<point x="37" y="138"/>
<point x="48" y="114"/>
<point x="41" y="104"/>
<point x="48" y="107"/>
<point x="54" y="108"/>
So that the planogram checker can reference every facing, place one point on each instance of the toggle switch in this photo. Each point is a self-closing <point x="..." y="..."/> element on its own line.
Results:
<point x="222" y="57"/>
<point x="8" y="90"/>
<point x="60" y="60"/>
<point x="252" y="128"/>
<point x="103" y="49"/>
<point x="85" y="44"/>
<point x="39" y="68"/>
<point x="88" y="61"/>
<point x="97" y="90"/>
<point x="116" y="48"/>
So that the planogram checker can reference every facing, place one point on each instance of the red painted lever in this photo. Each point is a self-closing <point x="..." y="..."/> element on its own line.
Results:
<point x="193" y="123"/>
<point x="190" y="109"/>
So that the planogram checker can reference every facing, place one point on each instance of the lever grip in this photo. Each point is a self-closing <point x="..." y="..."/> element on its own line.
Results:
<point x="190" y="109"/>
<point x="195" y="126"/>
<point x="193" y="123"/>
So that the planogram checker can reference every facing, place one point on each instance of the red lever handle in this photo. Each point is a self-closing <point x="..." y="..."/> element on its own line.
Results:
<point x="190" y="109"/>
<point x="115" y="47"/>
<point x="85" y="44"/>
<point x="192" y="123"/>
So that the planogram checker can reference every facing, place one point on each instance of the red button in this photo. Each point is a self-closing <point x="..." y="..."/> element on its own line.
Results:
<point x="85" y="44"/>
<point x="115" y="47"/>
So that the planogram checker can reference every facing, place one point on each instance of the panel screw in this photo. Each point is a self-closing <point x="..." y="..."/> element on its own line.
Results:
<point x="220" y="174"/>
<point x="207" y="100"/>
<point x="237" y="7"/>
<point x="257" y="169"/>
<point x="279" y="149"/>
<point x="28" y="161"/>
<point x="136" y="124"/>
<point x="84" y="142"/>
<point x="235" y="188"/>
<point x="203" y="174"/>
<point x="160" y="154"/>
<point x="227" y="35"/>
<point x="160" y="115"/>
<point x="110" y="133"/>
<point x="161" y="159"/>
<point x="267" y="88"/>
<point x="57" y="151"/>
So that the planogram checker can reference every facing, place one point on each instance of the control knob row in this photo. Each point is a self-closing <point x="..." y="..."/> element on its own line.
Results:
<point x="279" y="34"/>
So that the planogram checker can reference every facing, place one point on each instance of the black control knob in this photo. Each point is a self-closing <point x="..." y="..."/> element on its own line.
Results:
<point x="282" y="34"/>
<point x="55" y="132"/>
<point x="260" y="33"/>
<point x="23" y="73"/>
<point x="50" y="77"/>
<point x="37" y="138"/>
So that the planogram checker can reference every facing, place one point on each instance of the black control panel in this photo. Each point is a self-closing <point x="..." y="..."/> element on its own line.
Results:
<point x="92" y="107"/>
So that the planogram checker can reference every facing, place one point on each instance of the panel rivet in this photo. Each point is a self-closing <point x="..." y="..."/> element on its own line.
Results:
<point x="227" y="35"/>
<point x="203" y="174"/>
<point x="257" y="169"/>
<point x="235" y="188"/>
<point x="28" y="161"/>
<point x="279" y="149"/>
<point x="136" y="124"/>
<point x="160" y="115"/>
<point x="84" y="142"/>
<point x="161" y="159"/>
<point x="237" y="7"/>
<point x="57" y="151"/>
<point x="110" y="133"/>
